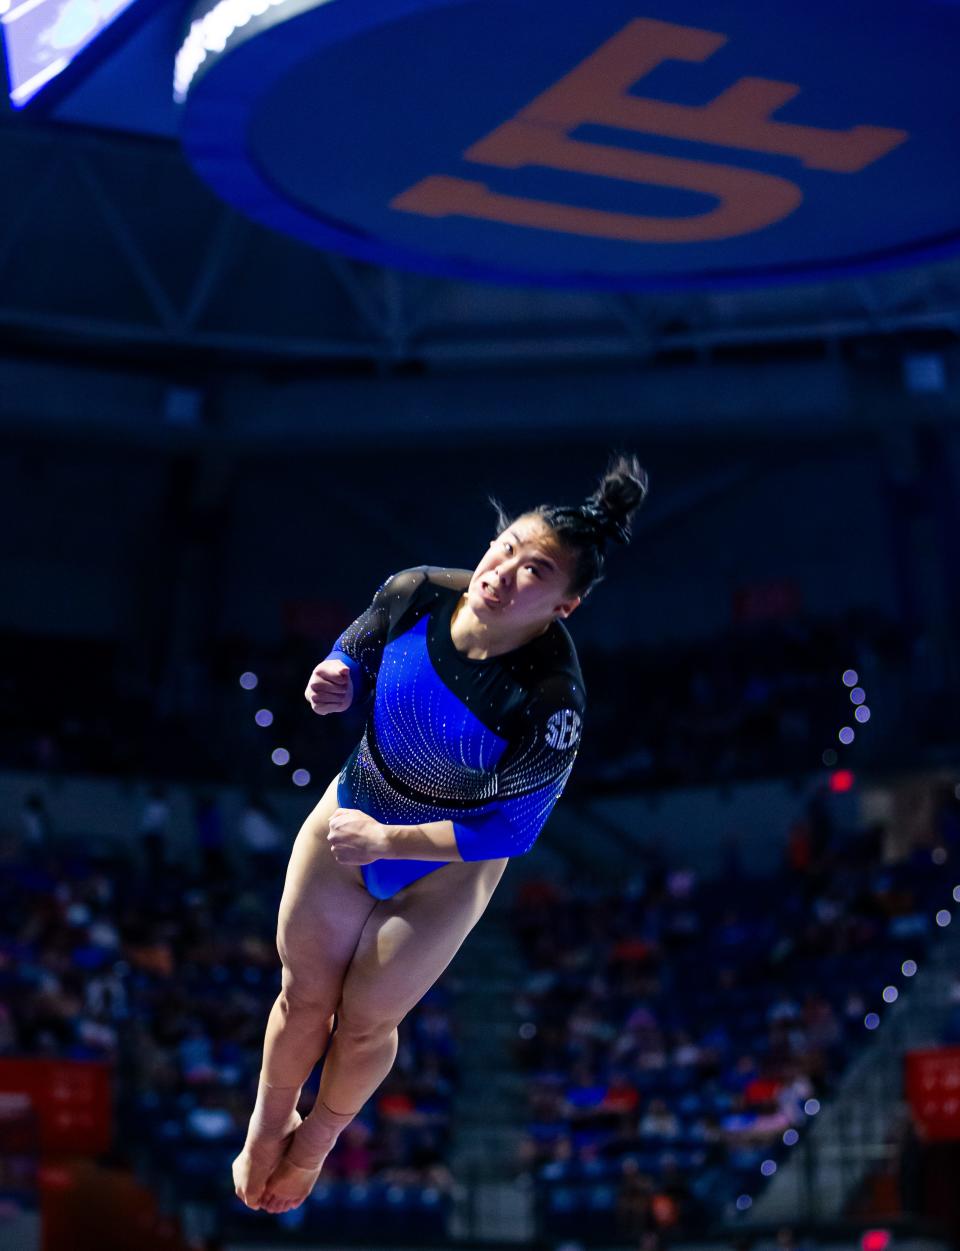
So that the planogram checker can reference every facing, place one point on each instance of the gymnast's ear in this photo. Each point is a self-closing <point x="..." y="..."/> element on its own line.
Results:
<point x="565" y="608"/>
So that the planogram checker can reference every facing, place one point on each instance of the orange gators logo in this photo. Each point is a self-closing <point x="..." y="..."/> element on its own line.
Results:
<point x="599" y="92"/>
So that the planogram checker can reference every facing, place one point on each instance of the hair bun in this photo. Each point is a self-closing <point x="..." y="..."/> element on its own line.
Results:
<point x="622" y="490"/>
<point x="606" y="523"/>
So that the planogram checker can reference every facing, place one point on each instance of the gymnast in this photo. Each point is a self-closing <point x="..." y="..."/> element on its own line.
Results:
<point x="475" y="721"/>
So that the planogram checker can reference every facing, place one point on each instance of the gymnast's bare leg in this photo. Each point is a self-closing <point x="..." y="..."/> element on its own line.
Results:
<point x="322" y="914"/>
<point x="406" y="943"/>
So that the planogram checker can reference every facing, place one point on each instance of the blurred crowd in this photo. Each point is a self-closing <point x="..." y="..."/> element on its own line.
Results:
<point x="168" y="973"/>
<point x="125" y="716"/>
<point x="761" y="699"/>
<point x="680" y="1034"/>
<point x="676" y="1036"/>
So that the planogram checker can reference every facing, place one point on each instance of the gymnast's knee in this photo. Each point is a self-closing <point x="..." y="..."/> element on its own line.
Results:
<point x="303" y="998"/>
<point x="363" y="1028"/>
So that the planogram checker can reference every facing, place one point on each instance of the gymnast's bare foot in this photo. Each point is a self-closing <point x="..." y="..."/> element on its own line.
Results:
<point x="290" y="1183"/>
<point x="257" y="1161"/>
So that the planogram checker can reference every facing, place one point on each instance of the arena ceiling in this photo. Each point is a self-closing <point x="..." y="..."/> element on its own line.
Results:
<point x="110" y="243"/>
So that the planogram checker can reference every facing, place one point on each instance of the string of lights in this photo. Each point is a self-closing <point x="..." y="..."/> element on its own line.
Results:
<point x="842" y="780"/>
<point x="263" y="717"/>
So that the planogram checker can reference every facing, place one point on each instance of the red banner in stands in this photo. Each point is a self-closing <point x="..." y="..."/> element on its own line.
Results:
<point x="933" y="1090"/>
<point x="71" y="1099"/>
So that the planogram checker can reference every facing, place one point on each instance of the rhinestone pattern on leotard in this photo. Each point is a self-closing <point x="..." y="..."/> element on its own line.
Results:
<point x="486" y="744"/>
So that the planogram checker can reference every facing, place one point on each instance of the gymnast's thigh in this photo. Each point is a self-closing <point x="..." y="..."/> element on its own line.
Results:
<point x="409" y="940"/>
<point x="323" y="910"/>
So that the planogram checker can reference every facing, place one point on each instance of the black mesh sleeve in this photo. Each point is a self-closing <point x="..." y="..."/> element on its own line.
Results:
<point x="361" y="644"/>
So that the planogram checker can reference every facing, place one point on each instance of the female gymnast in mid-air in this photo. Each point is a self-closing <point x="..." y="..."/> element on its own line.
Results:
<point x="473" y="729"/>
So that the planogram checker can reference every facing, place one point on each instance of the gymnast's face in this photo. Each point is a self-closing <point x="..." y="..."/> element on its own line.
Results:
<point x="524" y="578"/>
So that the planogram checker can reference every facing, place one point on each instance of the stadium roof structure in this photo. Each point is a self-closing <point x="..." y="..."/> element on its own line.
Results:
<point x="109" y="240"/>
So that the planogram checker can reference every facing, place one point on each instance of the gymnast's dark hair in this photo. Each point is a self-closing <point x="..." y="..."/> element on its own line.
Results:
<point x="586" y="529"/>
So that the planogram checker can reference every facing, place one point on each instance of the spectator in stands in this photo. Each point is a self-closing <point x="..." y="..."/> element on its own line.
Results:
<point x="35" y="821"/>
<point x="154" y="829"/>
<point x="352" y="1159"/>
<point x="634" y="1202"/>
<point x="658" y="1121"/>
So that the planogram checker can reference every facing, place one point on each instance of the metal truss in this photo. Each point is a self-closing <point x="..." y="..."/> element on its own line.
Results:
<point x="355" y="312"/>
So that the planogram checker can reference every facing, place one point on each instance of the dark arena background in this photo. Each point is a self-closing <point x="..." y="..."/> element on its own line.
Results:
<point x="288" y="289"/>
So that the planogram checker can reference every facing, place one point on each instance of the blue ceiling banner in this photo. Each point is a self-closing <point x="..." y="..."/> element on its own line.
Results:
<point x="617" y="144"/>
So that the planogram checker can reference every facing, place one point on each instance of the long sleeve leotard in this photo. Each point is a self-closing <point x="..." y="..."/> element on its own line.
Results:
<point x="487" y="744"/>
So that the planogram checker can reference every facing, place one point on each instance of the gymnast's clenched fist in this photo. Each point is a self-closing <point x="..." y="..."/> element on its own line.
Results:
<point x="330" y="688"/>
<point x="355" y="838"/>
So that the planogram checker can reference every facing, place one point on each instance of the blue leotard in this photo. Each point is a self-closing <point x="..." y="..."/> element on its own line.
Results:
<point x="487" y="744"/>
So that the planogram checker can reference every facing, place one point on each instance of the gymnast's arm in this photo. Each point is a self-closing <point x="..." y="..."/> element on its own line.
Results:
<point x="507" y="829"/>
<point x="510" y="829"/>
<point x="434" y="840"/>
<point x="349" y="672"/>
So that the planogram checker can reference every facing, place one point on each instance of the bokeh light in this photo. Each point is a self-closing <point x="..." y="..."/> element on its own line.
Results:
<point x="862" y="714"/>
<point x="846" y="735"/>
<point x="790" y="1137"/>
<point x="743" y="1203"/>
<point x="812" y="1107"/>
<point x="768" y="1168"/>
<point x="956" y="894"/>
<point x="875" y="1240"/>
<point x="908" y="968"/>
<point x="871" y="1020"/>
<point x="829" y="757"/>
<point x="280" y="756"/>
<point x="943" y="918"/>
<point x="301" y="777"/>
<point x="841" y="781"/>
<point x="939" y="855"/>
<point x="248" y="681"/>
<point x="858" y="695"/>
<point x="890" y="994"/>
<point x="850" y="677"/>
<point x="264" y="717"/>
